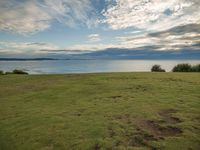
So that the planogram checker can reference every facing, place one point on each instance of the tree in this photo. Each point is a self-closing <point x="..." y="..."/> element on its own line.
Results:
<point x="196" y="68"/>
<point x="182" y="68"/>
<point x="1" y="72"/>
<point x="157" y="68"/>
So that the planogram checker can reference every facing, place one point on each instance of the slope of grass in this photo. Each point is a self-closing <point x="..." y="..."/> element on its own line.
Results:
<point x="100" y="111"/>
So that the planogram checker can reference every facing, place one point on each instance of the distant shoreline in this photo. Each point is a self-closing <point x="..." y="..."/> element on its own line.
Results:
<point x="46" y="59"/>
<point x="27" y="59"/>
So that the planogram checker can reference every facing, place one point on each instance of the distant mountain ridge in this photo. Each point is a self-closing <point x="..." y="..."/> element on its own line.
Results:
<point x="147" y="53"/>
<point x="114" y="53"/>
<point x="26" y="59"/>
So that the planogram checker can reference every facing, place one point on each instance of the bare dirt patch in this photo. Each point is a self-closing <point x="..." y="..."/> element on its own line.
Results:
<point x="115" y="97"/>
<point x="141" y="139"/>
<point x="126" y="118"/>
<point x="111" y="132"/>
<point x="146" y="131"/>
<point x="168" y="117"/>
<point x="131" y="138"/>
<point x="97" y="147"/>
<point x="160" y="131"/>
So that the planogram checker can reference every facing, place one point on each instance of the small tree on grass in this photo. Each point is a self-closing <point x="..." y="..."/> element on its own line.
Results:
<point x="182" y="68"/>
<point x="157" y="68"/>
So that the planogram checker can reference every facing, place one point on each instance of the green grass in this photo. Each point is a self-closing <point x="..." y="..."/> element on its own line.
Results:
<point x="100" y="111"/>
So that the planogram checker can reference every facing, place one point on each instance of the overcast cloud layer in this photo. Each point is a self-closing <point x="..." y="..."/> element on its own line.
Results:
<point x="165" y="25"/>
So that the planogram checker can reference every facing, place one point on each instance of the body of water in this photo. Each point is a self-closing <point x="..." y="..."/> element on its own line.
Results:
<point x="89" y="66"/>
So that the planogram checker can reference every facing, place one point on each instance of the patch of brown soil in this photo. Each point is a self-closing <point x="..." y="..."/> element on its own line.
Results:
<point x="96" y="147"/>
<point x="116" y="96"/>
<point x="167" y="116"/>
<point x="126" y="118"/>
<point x="146" y="130"/>
<point x="160" y="131"/>
<point x="111" y="132"/>
<point x="141" y="139"/>
<point x="141" y="87"/>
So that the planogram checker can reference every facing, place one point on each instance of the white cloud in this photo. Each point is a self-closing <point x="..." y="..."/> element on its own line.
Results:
<point x="23" y="17"/>
<point x="94" y="38"/>
<point x="34" y="15"/>
<point x="45" y="48"/>
<point x="13" y="47"/>
<point x="168" y="40"/>
<point x="71" y="11"/>
<point x="165" y="41"/>
<point x="153" y="15"/>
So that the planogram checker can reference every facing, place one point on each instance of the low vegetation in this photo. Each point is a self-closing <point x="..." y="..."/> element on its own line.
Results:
<point x="16" y="71"/>
<point x="136" y="111"/>
<point x="182" y="68"/>
<point x="19" y="72"/>
<point x="196" y="68"/>
<point x="186" y="68"/>
<point x="157" y="68"/>
<point x="1" y="72"/>
<point x="178" y="68"/>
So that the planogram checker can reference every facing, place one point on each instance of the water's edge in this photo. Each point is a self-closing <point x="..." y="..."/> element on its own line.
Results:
<point x="89" y="66"/>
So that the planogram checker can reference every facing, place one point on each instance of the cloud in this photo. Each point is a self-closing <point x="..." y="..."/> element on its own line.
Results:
<point x="71" y="12"/>
<point x="13" y="47"/>
<point x="34" y="15"/>
<point x="152" y="15"/>
<point x="23" y="17"/>
<point x="177" y="38"/>
<point x="32" y="48"/>
<point x="94" y="38"/>
<point x="179" y="30"/>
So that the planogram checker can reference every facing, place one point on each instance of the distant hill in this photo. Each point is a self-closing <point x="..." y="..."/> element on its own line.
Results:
<point x="149" y="52"/>
<point x="26" y="59"/>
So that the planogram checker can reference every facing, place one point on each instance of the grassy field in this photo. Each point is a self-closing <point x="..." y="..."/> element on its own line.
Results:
<point x="139" y="111"/>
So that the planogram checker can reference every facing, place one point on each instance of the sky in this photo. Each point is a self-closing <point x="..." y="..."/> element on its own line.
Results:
<point x="34" y="28"/>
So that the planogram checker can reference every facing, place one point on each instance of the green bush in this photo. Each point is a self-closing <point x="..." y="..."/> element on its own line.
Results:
<point x="182" y="68"/>
<point x="1" y="72"/>
<point x="196" y="68"/>
<point x="16" y="71"/>
<point x="157" y="68"/>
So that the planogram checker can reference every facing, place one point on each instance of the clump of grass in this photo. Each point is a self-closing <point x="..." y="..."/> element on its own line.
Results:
<point x="157" y="68"/>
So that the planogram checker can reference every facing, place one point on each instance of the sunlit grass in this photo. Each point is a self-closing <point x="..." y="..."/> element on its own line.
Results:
<point x="100" y="111"/>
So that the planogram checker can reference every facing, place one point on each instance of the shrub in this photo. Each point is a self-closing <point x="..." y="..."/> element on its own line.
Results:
<point x="182" y="68"/>
<point x="157" y="68"/>
<point x="1" y="72"/>
<point x="19" y="72"/>
<point x="196" y="68"/>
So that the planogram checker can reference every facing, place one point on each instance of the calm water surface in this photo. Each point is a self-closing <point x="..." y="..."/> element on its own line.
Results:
<point x="89" y="66"/>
